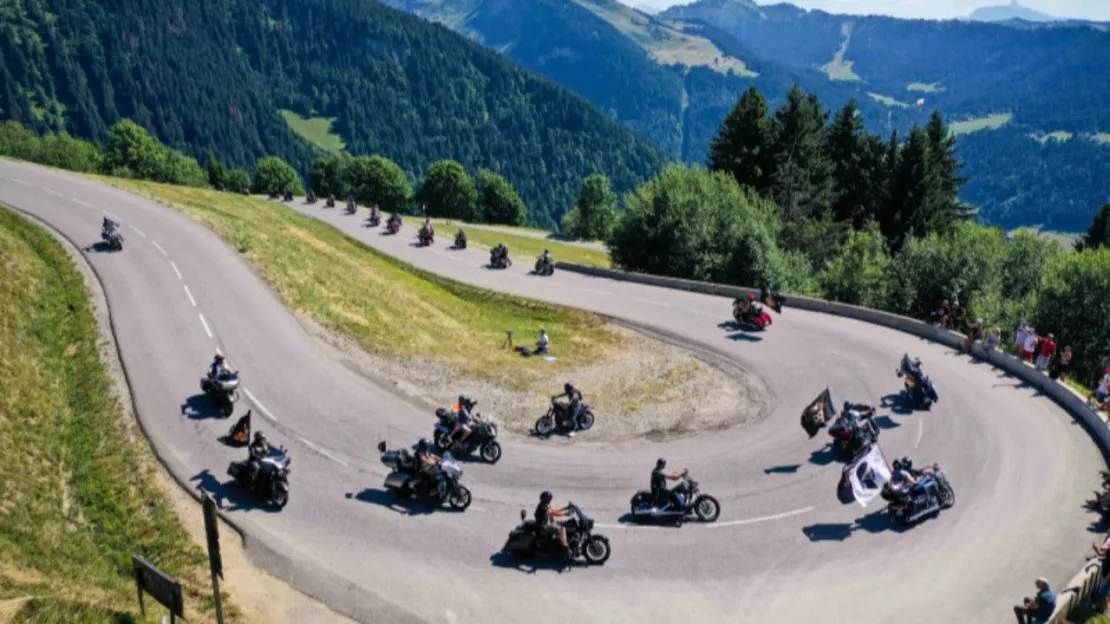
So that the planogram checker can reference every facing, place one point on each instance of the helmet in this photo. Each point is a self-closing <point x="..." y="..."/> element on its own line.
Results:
<point x="751" y="297"/>
<point x="907" y="464"/>
<point x="422" y="445"/>
<point x="462" y="399"/>
<point x="259" y="436"/>
<point x="660" y="463"/>
<point x="546" y="497"/>
<point x="897" y="464"/>
<point x="219" y="357"/>
<point x="568" y="387"/>
<point x="545" y="252"/>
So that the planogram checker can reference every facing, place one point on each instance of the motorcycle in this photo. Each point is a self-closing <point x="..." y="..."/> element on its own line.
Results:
<point x="529" y="539"/>
<point x="393" y="226"/>
<point x="853" y="432"/>
<point x="224" y="390"/>
<point x="558" y="419"/>
<point x="917" y="385"/>
<point x="460" y="240"/>
<point x="310" y="198"/>
<point x="544" y="267"/>
<point x="498" y="261"/>
<point x="746" y="316"/>
<point x="483" y="437"/>
<point x="772" y="299"/>
<point x="693" y="501"/>
<point x="905" y="507"/>
<point x="375" y="218"/>
<point x="426" y="236"/>
<point x="407" y="480"/>
<point x="352" y="207"/>
<point x="330" y="203"/>
<point x="288" y="197"/>
<point x="114" y="237"/>
<point x="272" y="481"/>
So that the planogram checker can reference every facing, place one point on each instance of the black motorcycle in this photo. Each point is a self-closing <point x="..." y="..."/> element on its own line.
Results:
<point x="352" y="207"/>
<point x="917" y="385"/>
<point x="426" y="236"/>
<point x="854" y="431"/>
<point x="407" y="480"/>
<point x="310" y="198"/>
<point x="692" y="501"/>
<point x="544" y="266"/>
<point x="529" y="539"/>
<point x="224" y="391"/>
<point x="272" y="481"/>
<point x="393" y="225"/>
<point x="483" y="437"/>
<point x="906" y="508"/>
<point x="375" y="218"/>
<point x="113" y="236"/>
<point x="558" y="419"/>
<point x="330" y="203"/>
<point x="288" y="197"/>
<point x="498" y="260"/>
<point x="460" y="240"/>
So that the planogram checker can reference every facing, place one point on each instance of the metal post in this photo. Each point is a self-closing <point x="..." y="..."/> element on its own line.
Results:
<point x="216" y="595"/>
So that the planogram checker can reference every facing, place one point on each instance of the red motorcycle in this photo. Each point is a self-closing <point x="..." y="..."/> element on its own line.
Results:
<point x="751" y="315"/>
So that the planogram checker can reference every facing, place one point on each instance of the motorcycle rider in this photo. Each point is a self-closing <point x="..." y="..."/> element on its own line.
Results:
<point x="660" y="495"/>
<point x="394" y="220"/>
<point x="219" y="368"/>
<point x="460" y="238"/>
<point x="256" y="452"/>
<point x="546" y="519"/>
<point x="427" y="465"/>
<point x="542" y="344"/>
<point x="427" y="230"/>
<point x="464" y="417"/>
<point x="917" y="480"/>
<point x="108" y="228"/>
<point x="545" y="259"/>
<point x="574" y="404"/>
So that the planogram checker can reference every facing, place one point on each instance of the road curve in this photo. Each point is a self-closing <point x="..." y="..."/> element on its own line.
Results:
<point x="784" y="550"/>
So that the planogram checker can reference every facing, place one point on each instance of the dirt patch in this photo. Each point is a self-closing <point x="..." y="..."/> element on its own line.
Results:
<point x="12" y="608"/>
<point x="653" y="389"/>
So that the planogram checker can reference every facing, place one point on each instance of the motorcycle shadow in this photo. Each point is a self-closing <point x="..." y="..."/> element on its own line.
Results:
<point x="885" y="422"/>
<point x="200" y="407"/>
<point x="742" y="332"/>
<point x="100" y="247"/>
<point x="898" y="403"/>
<point x="874" y="522"/>
<point x="823" y="456"/>
<point x="534" y="564"/>
<point x="385" y="498"/>
<point x="232" y="492"/>
<point x="787" y="469"/>
<point x="672" y="521"/>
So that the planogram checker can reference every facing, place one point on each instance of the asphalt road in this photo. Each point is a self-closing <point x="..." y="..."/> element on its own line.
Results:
<point x="784" y="549"/>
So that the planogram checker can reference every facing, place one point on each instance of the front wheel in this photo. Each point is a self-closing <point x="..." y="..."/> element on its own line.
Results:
<point x="440" y="440"/>
<point x="545" y="425"/>
<point x="707" y="508"/>
<point x="227" y="407"/>
<point x="585" y="420"/>
<point x="280" y="497"/>
<point x="460" y="498"/>
<point x="949" y="497"/>
<point x="597" y="550"/>
<point x="491" y="451"/>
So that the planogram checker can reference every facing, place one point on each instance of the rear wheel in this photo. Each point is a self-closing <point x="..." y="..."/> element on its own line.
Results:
<point x="585" y="420"/>
<point x="597" y="550"/>
<point x="460" y="498"/>
<point x="491" y="451"/>
<point x="707" y="508"/>
<point x="545" y="425"/>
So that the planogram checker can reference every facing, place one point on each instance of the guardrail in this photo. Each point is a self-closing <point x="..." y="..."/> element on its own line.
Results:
<point x="1080" y="588"/>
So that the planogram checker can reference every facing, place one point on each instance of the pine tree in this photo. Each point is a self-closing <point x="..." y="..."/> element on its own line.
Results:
<point x="846" y="150"/>
<point x="804" y="183"/>
<point x="744" y="145"/>
<point x="217" y="174"/>
<point x="1099" y="233"/>
<point x="945" y="165"/>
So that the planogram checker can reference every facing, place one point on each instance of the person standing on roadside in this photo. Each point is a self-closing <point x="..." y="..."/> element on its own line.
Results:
<point x="974" y="332"/>
<point x="1019" y="340"/>
<point x="1030" y="343"/>
<point x="1063" y="362"/>
<point x="993" y="338"/>
<point x="1048" y="350"/>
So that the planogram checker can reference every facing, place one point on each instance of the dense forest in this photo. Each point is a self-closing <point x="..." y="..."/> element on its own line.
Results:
<point x="213" y="76"/>
<point x="966" y="70"/>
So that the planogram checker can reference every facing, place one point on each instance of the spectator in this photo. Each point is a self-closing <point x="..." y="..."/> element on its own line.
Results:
<point x="1103" y="589"/>
<point x="993" y="339"/>
<point x="956" y="319"/>
<point x="1030" y="343"/>
<point x="1048" y="350"/>
<point x="941" y="314"/>
<point x="1039" y="609"/>
<point x="975" y="332"/>
<point x="1019" y="341"/>
<point x="1101" y="396"/>
<point x="1063" y="361"/>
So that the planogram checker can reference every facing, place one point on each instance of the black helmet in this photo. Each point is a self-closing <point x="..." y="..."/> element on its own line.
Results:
<point x="660" y="463"/>
<point x="259" y="436"/>
<point x="422" y="445"/>
<point x="907" y="464"/>
<point x="219" y="357"/>
<point x="568" y="387"/>
<point x="897" y="464"/>
<point x="546" y="497"/>
<point x="545" y="252"/>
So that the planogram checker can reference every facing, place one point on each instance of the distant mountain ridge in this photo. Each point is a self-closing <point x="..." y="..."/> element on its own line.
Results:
<point x="1012" y="11"/>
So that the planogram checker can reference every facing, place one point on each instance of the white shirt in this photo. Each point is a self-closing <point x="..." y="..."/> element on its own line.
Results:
<point x="543" y="340"/>
<point x="1030" y="342"/>
<point x="1104" y="383"/>
<point x="1021" y="336"/>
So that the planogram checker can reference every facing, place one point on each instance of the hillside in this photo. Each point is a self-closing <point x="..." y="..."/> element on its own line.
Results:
<point x="225" y="76"/>
<point x="1006" y="12"/>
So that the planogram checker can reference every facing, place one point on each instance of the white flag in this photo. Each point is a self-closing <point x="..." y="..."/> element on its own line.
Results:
<point x="868" y="473"/>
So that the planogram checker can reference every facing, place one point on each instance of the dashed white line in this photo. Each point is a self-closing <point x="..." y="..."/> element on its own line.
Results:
<point x="786" y="514"/>
<point x="159" y="248"/>
<point x="187" y="292"/>
<point x="920" y="431"/>
<point x="23" y="182"/>
<point x="650" y="302"/>
<point x="259" y="405"/>
<point x="323" y="452"/>
<point x="174" y="265"/>
<point x="140" y="233"/>
<point x="81" y="203"/>
<point x="52" y="192"/>
<point x="205" y="323"/>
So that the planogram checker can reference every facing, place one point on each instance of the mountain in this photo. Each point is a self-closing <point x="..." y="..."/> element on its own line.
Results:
<point x="247" y="78"/>
<point x="1006" y="12"/>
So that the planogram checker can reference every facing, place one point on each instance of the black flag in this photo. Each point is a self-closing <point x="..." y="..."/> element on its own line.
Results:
<point x="818" y="413"/>
<point x="240" y="434"/>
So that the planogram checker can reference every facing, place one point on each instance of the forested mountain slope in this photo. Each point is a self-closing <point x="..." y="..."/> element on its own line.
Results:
<point x="215" y="75"/>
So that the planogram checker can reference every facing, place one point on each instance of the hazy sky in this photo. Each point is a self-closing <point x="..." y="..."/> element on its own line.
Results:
<point x="931" y="9"/>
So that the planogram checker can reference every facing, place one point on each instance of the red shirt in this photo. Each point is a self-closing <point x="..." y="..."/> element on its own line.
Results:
<point x="1048" y="347"/>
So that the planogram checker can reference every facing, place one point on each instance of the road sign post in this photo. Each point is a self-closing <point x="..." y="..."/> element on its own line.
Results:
<point x="159" y="585"/>
<point x="215" y="562"/>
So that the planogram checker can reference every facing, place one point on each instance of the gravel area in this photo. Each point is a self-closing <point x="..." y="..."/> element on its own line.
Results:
<point x="649" y="390"/>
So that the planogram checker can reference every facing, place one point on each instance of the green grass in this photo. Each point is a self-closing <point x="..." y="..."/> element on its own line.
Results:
<point x="315" y="130"/>
<point x="925" y="88"/>
<point x="1102" y="137"/>
<point x="521" y="248"/>
<point x="77" y="489"/>
<point x="390" y="308"/>
<point x="1060" y="136"/>
<point x="887" y="100"/>
<point x="838" y="68"/>
<point x="990" y="122"/>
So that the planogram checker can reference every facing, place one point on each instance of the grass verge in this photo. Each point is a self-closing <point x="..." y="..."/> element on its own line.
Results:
<point x="521" y="248"/>
<point x="77" y="490"/>
<point x="315" y="130"/>
<point x="990" y="122"/>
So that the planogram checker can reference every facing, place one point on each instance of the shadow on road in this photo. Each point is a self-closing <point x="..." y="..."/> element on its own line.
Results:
<point x="885" y="422"/>
<point x="823" y="456"/>
<point x="535" y="563"/>
<point x="232" y="492"/>
<point x="387" y="499"/>
<point x="790" y="469"/>
<point x="874" y="522"/>
<point x="629" y="519"/>
<point x="898" y="403"/>
<point x="199" y="407"/>
<point x="100" y="247"/>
